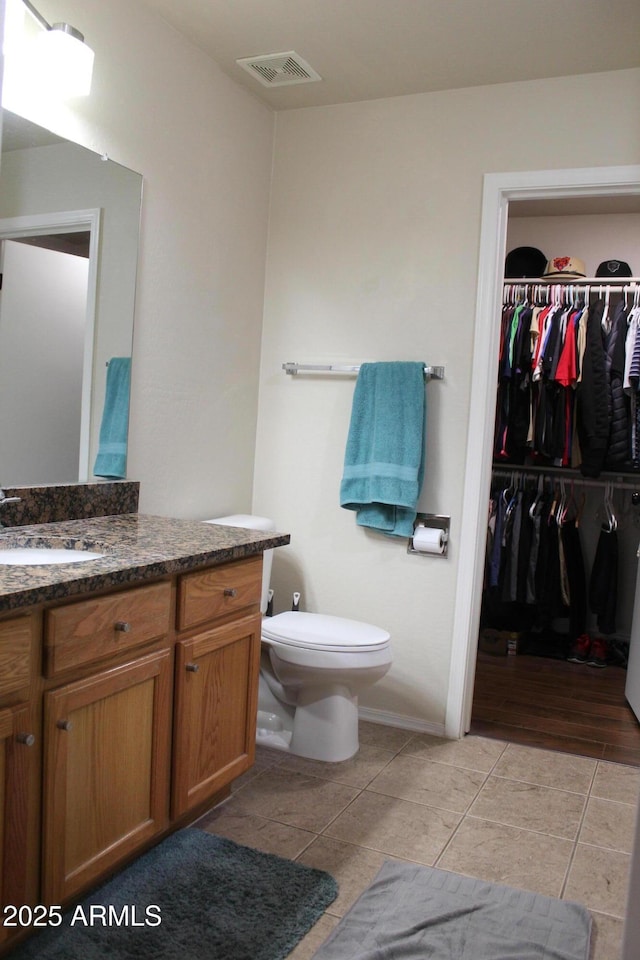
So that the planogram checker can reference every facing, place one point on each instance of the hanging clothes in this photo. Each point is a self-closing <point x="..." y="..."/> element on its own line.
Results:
<point x="568" y="380"/>
<point x="593" y="398"/>
<point x="577" y="599"/>
<point x="603" y="585"/>
<point x="618" y="449"/>
<point x="535" y="566"/>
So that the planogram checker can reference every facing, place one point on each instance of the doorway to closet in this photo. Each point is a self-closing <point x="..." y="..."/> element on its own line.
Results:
<point x="528" y="687"/>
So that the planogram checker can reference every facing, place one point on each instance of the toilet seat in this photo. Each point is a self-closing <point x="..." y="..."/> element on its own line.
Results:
<point x="318" y="632"/>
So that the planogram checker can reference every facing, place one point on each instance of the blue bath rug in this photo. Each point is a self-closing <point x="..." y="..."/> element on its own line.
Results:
<point x="193" y="897"/>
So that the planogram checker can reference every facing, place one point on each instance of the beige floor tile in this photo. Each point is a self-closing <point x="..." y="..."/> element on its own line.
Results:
<point x="598" y="879"/>
<point x="528" y="805"/>
<point x="380" y="735"/>
<point x="314" y="939"/>
<point x="422" y="781"/>
<point x="253" y="831"/>
<point x="606" y="937"/>
<point x="399" y="828"/>
<point x="265" y="758"/>
<point x="507" y="855"/>
<point x="615" y="781"/>
<point x="533" y="765"/>
<point x="268" y="757"/>
<point x="475" y="753"/>
<point x="353" y="867"/>
<point x="300" y="801"/>
<point x="609" y="824"/>
<point x="357" y="772"/>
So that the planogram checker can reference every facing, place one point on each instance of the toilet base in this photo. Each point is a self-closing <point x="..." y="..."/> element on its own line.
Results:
<point x="326" y="726"/>
<point x="322" y="726"/>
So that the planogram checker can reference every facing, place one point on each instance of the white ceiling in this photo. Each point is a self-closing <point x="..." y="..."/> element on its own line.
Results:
<point x="366" y="49"/>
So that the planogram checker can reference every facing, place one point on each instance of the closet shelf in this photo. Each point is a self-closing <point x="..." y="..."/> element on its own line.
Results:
<point x="584" y="281"/>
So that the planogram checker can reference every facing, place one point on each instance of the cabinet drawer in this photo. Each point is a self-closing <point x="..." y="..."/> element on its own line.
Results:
<point x="91" y="630"/>
<point x="218" y="591"/>
<point x="15" y="654"/>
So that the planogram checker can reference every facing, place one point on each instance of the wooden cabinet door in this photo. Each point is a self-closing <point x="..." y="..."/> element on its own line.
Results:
<point x="216" y="707"/>
<point x="19" y="803"/>
<point x="107" y="742"/>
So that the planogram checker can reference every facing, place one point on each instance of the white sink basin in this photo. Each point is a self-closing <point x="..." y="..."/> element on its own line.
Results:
<point x="41" y="556"/>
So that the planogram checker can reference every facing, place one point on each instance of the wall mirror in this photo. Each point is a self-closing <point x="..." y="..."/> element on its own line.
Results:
<point x="69" y="229"/>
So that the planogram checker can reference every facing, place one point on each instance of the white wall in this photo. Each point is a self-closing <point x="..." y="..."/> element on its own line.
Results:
<point x="374" y="230"/>
<point x="204" y="146"/>
<point x="592" y="237"/>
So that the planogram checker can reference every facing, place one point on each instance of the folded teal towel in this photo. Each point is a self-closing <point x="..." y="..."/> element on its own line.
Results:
<point x="384" y="457"/>
<point x="111" y="460"/>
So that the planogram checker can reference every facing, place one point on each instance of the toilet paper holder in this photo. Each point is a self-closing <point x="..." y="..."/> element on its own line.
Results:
<point x="434" y="521"/>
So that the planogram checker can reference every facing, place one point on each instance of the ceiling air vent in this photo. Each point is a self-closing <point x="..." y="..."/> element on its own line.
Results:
<point x="278" y="69"/>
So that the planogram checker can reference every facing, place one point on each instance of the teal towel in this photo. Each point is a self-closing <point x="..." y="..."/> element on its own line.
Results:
<point x="111" y="460"/>
<point x="384" y="457"/>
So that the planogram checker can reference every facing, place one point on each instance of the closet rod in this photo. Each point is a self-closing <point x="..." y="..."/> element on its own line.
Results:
<point x="430" y="373"/>
<point x="615" y="480"/>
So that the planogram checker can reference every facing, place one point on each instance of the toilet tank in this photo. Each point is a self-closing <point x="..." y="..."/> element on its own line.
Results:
<point x="249" y="522"/>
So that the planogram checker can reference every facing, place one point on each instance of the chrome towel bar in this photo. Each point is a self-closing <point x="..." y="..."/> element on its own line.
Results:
<point x="430" y="373"/>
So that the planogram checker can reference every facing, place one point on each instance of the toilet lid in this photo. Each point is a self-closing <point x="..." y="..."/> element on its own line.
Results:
<point x="323" y="632"/>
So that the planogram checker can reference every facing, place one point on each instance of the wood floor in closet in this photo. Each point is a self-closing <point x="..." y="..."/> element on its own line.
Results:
<point x="570" y="707"/>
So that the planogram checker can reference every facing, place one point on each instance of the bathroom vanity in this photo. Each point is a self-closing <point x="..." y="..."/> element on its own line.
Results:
<point x="128" y="693"/>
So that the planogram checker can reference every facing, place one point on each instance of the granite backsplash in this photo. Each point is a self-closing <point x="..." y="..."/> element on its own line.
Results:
<point x="51" y="503"/>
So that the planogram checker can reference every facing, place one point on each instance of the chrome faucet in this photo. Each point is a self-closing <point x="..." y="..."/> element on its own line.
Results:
<point x="4" y="499"/>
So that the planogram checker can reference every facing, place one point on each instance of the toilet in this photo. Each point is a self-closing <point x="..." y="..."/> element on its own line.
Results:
<point x="313" y="668"/>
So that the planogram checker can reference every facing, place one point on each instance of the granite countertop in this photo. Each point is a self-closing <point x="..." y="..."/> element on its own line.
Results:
<point x="135" y="547"/>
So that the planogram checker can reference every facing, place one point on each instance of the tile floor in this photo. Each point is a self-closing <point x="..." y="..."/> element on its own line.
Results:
<point x="550" y="822"/>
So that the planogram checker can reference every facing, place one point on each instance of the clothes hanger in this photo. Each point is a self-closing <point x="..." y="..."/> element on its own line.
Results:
<point x="569" y="503"/>
<point x="561" y="513"/>
<point x="612" y="522"/>
<point x="533" y="509"/>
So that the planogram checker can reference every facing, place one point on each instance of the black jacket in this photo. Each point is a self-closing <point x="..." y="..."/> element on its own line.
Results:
<point x="593" y="397"/>
<point x="618" y="451"/>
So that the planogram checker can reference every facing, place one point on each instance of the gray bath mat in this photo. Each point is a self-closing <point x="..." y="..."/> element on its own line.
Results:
<point x="216" y="900"/>
<point x="413" y="913"/>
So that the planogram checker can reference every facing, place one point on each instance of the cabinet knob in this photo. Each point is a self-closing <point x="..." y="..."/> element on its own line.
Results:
<point x="230" y="592"/>
<point x="193" y="667"/>
<point x="27" y="738"/>
<point x="122" y="626"/>
<point x="65" y="725"/>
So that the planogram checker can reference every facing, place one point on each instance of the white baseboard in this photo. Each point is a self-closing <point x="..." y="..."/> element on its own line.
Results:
<point x="388" y="719"/>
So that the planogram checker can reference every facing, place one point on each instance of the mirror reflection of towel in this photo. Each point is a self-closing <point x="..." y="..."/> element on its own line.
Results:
<point x="111" y="461"/>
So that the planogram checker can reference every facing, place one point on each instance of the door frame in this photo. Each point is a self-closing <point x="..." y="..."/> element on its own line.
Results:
<point x="498" y="190"/>
<point x="71" y="221"/>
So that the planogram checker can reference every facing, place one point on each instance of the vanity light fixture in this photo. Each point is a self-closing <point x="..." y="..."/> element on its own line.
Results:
<point x="63" y="58"/>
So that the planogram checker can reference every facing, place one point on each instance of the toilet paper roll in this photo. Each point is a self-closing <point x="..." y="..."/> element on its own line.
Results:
<point x="429" y="540"/>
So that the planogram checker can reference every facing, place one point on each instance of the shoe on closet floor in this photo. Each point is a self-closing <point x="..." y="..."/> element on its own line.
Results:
<point x="581" y="649"/>
<point x="598" y="653"/>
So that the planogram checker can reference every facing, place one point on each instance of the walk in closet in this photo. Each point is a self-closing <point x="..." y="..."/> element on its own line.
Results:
<point x="563" y="522"/>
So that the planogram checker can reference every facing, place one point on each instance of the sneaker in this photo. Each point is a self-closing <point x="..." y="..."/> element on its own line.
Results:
<point x="598" y="653"/>
<point x="580" y="649"/>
